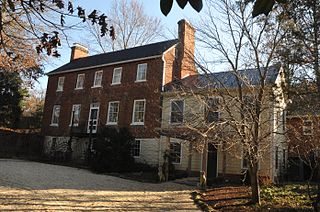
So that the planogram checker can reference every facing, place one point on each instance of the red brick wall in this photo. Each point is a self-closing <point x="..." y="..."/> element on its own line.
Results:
<point x="126" y="93"/>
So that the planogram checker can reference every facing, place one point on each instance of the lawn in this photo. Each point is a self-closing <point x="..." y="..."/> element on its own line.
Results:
<point x="289" y="197"/>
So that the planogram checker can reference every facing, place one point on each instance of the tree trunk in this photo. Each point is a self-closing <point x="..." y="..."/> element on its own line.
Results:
<point x="255" y="190"/>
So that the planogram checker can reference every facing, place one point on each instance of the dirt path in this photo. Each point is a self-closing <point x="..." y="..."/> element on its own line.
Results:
<point x="31" y="186"/>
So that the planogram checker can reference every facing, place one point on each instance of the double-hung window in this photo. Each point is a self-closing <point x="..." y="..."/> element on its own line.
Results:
<point x="113" y="112"/>
<point x="175" y="152"/>
<point x="60" y="84"/>
<point x="80" y="81"/>
<point x="212" y="110"/>
<point x="75" y="115"/>
<point x="55" y="115"/>
<point x="97" y="79"/>
<point x="135" y="149"/>
<point x="139" y="107"/>
<point x="116" y="77"/>
<point x="141" y="72"/>
<point x="176" y="112"/>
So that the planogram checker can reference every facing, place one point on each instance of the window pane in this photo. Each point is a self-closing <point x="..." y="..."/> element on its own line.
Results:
<point x="139" y="111"/>
<point x="75" y="114"/>
<point x="116" y="75"/>
<point x="113" y="112"/>
<point x="142" y="72"/>
<point x="60" y="84"/>
<point x="135" y="151"/>
<point x="175" y="152"/>
<point x="212" y="111"/>
<point x="80" y="81"/>
<point x="98" y="78"/>
<point x="55" y="114"/>
<point x="177" y="111"/>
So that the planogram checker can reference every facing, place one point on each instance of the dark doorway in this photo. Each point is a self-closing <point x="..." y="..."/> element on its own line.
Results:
<point x="212" y="162"/>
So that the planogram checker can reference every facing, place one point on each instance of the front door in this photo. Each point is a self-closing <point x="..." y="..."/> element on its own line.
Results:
<point x="212" y="161"/>
<point x="93" y="118"/>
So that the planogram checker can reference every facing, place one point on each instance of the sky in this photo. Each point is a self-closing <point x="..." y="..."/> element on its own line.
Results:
<point x="152" y="7"/>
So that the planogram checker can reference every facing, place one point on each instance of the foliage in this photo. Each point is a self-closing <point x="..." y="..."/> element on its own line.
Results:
<point x="34" y="19"/>
<point x="11" y="95"/>
<point x="32" y="108"/>
<point x="133" y="25"/>
<point x="112" y="151"/>
<point x="290" y="196"/>
<point x="259" y="7"/>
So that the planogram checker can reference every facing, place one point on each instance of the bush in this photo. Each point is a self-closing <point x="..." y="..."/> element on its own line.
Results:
<point x="111" y="151"/>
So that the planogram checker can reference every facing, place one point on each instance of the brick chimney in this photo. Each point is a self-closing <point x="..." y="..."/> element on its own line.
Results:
<point x="78" y="51"/>
<point x="185" y="51"/>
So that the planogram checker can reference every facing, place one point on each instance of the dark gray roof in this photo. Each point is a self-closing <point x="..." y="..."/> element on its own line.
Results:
<point x="104" y="59"/>
<point x="228" y="79"/>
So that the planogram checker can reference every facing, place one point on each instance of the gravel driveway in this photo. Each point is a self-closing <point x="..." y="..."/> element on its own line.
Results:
<point x="32" y="186"/>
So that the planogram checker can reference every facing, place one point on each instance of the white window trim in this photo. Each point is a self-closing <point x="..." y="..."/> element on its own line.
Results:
<point x="144" y="80"/>
<point x="180" y="152"/>
<point x="116" y="83"/>
<point x="144" y="114"/>
<point x="94" y="79"/>
<point x="113" y="123"/>
<point x="55" y="124"/>
<point x="58" y="88"/>
<point x="73" y="106"/>
<point x="79" y="88"/>
<point x="139" y="148"/>
<point x="184" y="107"/>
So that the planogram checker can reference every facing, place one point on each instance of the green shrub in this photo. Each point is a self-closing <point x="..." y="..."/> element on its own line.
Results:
<point x="111" y="151"/>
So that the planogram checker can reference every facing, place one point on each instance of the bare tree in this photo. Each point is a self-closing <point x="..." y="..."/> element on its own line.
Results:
<point x="133" y="27"/>
<point x="250" y="99"/>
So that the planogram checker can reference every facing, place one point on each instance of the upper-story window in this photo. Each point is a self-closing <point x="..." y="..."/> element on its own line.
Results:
<point x="75" y="115"/>
<point x="80" y="81"/>
<point x="139" y="107"/>
<point x="113" y="111"/>
<point x="60" y="84"/>
<point x="97" y="82"/>
<point x="212" y="110"/>
<point x="176" y="112"/>
<point x="55" y="115"/>
<point x="141" y="72"/>
<point x="307" y="127"/>
<point x="116" y="77"/>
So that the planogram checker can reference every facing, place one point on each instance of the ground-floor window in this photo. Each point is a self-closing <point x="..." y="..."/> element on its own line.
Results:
<point x="175" y="152"/>
<point x="135" y="151"/>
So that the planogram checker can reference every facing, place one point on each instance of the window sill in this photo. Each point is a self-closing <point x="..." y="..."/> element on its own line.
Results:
<point x="112" y="123"/>
<point x="73" y="125"/>
<point x="137" y="81"/>
<point x="78" y="88"/>
<point x="117" y="83"/>
<point x="54" y="125"/>
<point x="137" y="124"/>
<point x="176" y="123"/>
<point x="59" y="90"/>
<point x="97" y="86"/>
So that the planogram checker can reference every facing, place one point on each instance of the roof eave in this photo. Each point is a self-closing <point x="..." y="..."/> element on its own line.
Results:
<point x="104" y="65"/>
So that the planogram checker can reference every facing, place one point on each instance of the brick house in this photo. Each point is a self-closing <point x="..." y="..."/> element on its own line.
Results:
<point x="303" y="130"/>
<point x="121" y="88"/>
<point x="190" y="108"/>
